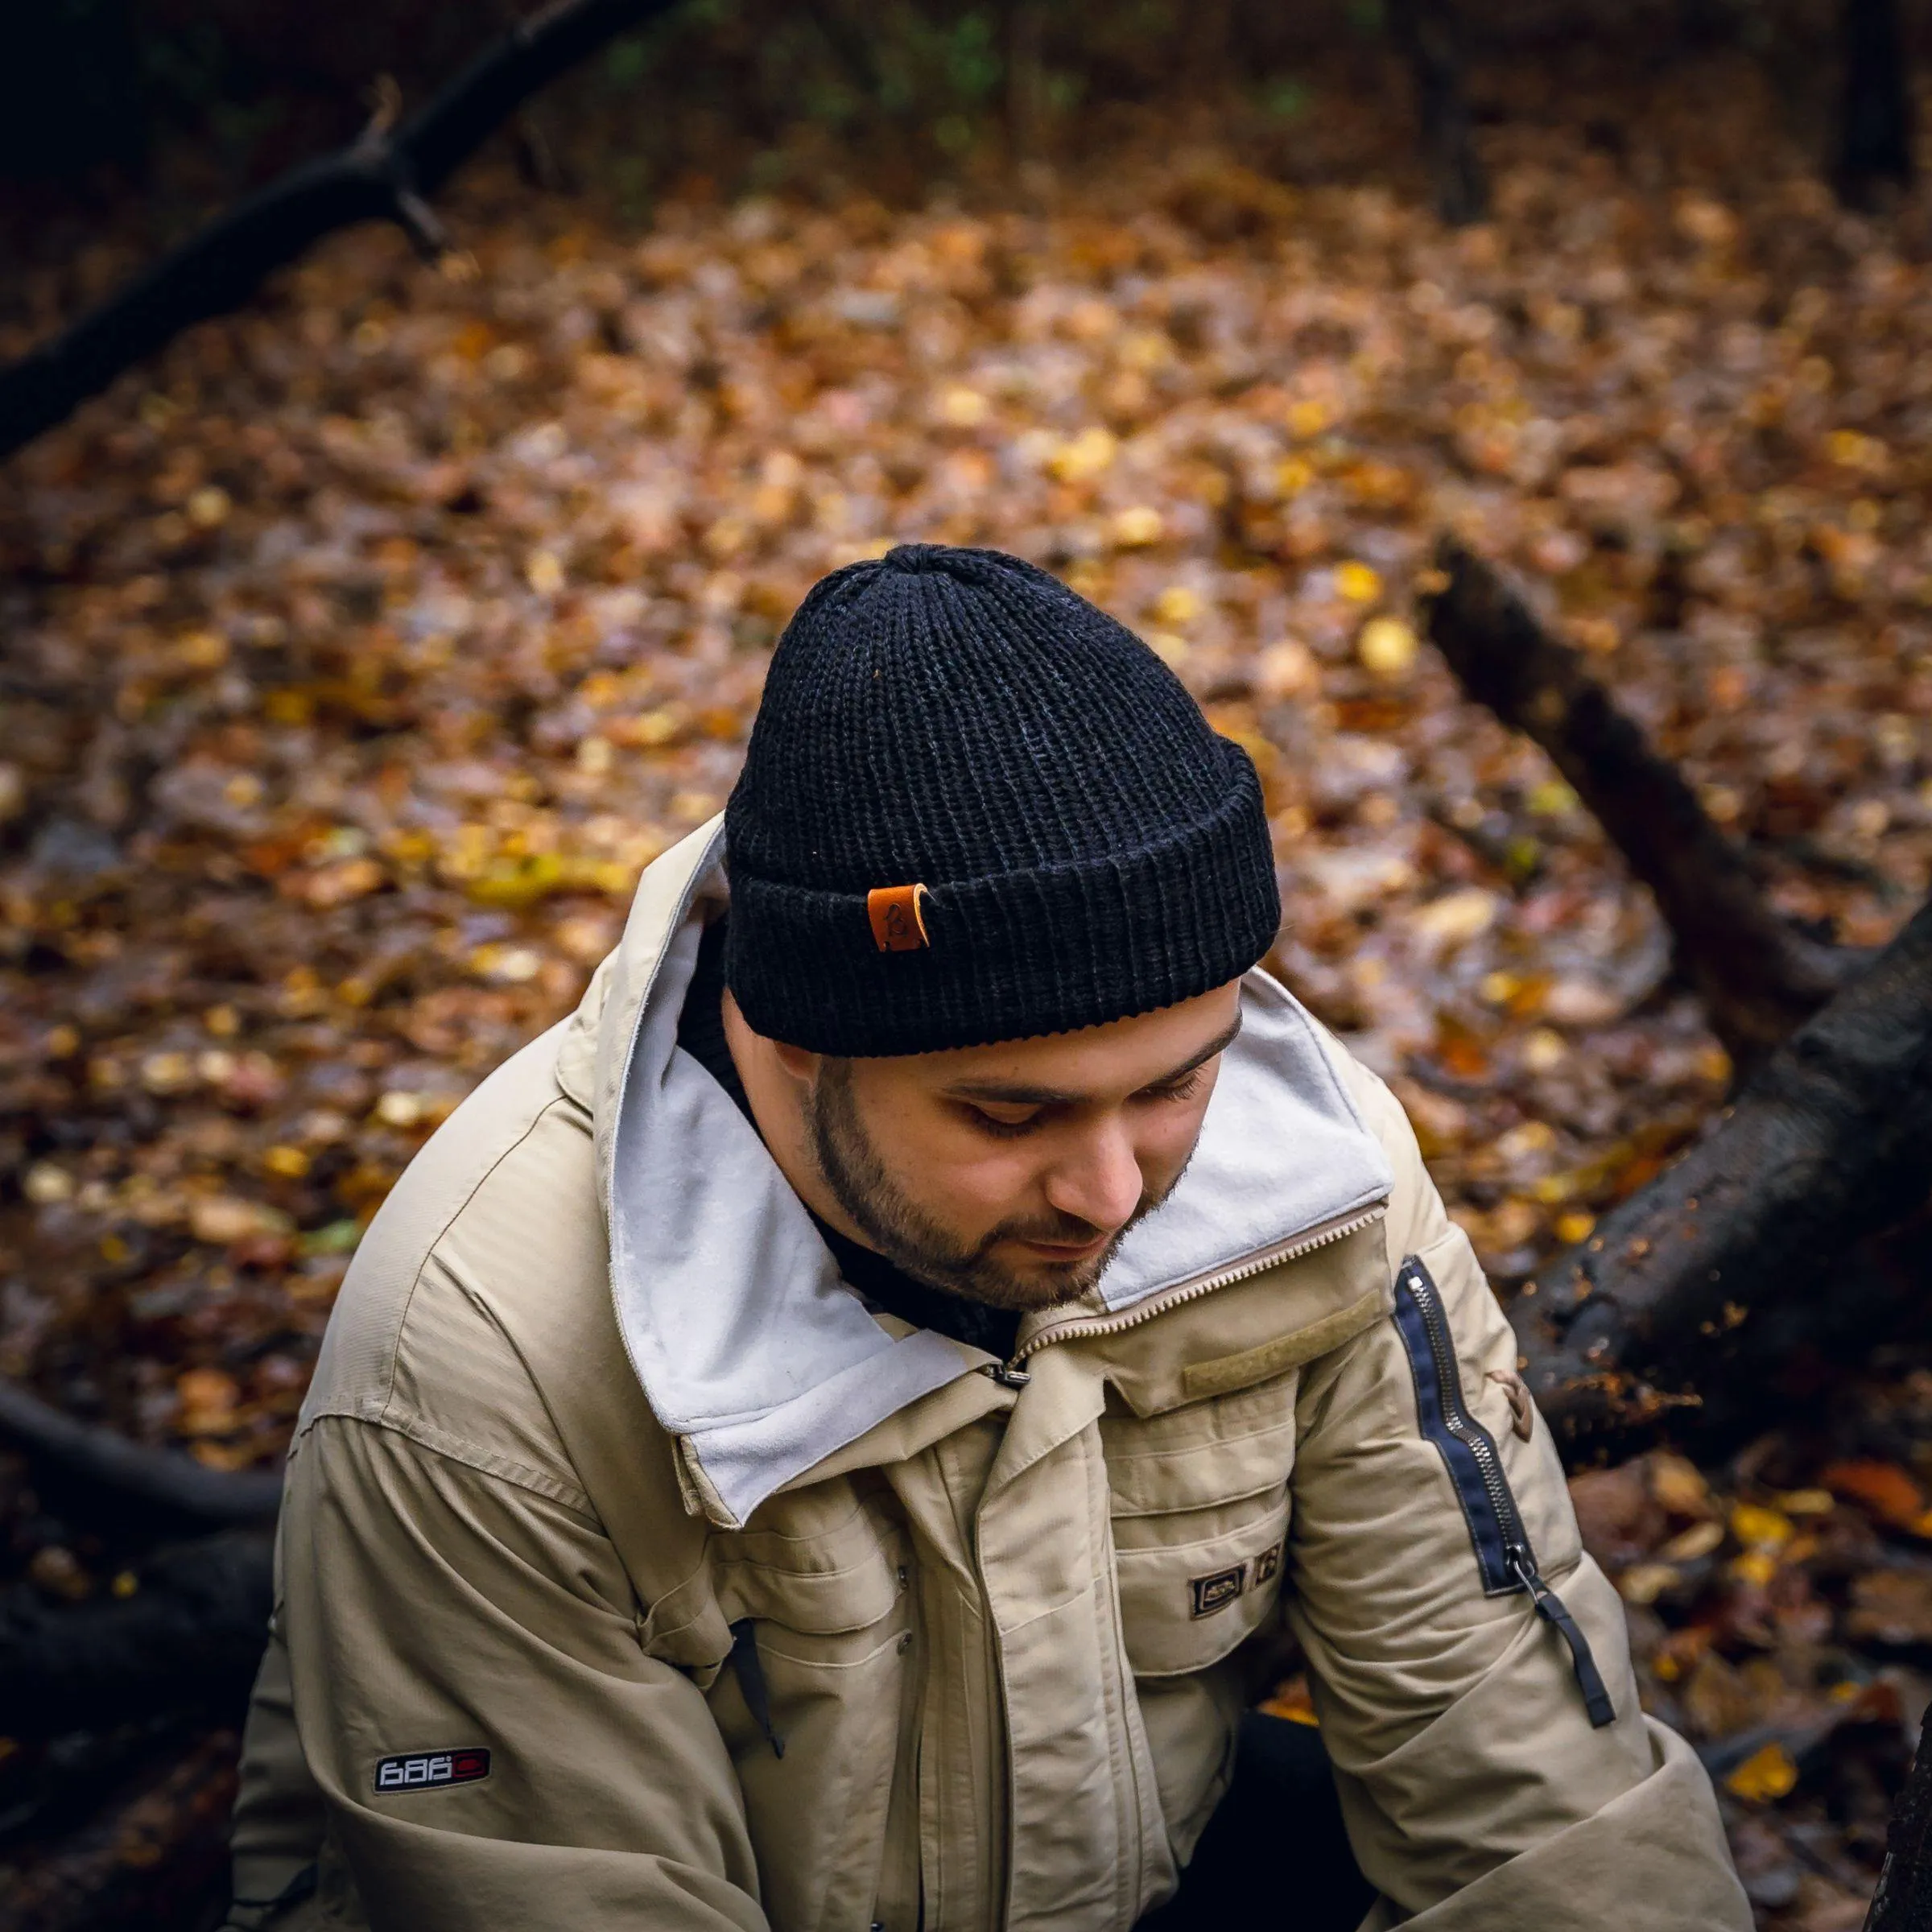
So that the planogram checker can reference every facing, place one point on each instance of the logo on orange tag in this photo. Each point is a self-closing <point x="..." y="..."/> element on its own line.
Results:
<point x="898" y="923"/>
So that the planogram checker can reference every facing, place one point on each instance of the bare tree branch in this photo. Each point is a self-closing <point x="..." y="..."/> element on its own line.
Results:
<point x="1759" y="977"/>
<point x="386" y="174"/>
<point x="156" y="1476"/>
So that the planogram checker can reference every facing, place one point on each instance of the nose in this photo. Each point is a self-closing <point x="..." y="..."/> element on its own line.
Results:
<point x="1100" y="1182"/>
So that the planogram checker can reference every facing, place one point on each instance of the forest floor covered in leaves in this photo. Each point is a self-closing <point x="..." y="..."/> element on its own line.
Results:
<point x="360" y="653"/>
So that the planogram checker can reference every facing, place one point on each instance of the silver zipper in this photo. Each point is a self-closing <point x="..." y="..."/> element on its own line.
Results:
<point x="1008" y="1374"/>
<point x="1456" y="1419"/>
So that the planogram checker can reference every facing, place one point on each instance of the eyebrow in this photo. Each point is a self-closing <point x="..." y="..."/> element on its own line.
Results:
<point x="1007" y="1094"/>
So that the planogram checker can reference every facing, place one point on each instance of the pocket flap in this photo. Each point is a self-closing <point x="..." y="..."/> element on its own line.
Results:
<point x="1187" y="1606"/>
<point x="1207" y="1453"/>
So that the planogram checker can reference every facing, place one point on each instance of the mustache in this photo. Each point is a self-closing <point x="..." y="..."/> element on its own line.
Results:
<point x="1070" y="1230"/>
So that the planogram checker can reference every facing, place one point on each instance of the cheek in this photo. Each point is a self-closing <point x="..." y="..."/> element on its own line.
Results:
<point x="958" y="1177"/>
<point x="1167" y="1140"/>
<point x="973" y="1187"/>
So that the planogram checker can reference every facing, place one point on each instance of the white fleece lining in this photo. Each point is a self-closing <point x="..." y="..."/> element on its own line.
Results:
<point x="1282" y="1150"/>
<point x="748" y="1345"/>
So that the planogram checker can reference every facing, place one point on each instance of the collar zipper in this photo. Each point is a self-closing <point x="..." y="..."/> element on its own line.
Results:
<point x="1010" y="1374"/>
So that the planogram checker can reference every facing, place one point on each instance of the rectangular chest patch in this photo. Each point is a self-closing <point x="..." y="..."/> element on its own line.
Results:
<point x="1216" y="1591"/>
<point x="430" y="1770"/>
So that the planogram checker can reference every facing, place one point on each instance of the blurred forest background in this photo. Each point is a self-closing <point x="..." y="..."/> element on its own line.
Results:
<point x="358" y="650"/>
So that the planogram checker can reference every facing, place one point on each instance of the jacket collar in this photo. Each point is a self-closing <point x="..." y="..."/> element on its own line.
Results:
<point x="747" y="1344"/>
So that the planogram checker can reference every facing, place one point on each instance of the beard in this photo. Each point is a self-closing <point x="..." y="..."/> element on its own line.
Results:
<point x="901" y="1230"/>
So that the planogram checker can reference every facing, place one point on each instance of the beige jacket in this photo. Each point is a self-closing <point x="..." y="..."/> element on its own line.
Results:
<point x="608" y="1492"/>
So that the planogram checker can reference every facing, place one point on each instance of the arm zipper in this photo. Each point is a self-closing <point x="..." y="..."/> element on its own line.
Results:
<point x="1503" y="1555"/>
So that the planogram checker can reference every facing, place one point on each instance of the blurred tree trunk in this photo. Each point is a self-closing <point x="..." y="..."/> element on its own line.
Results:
<point x="1024" y="37"/>
<point x="70" y="89"/>
<point x="1428" y="35"/>
<point x="1875" y="123"/>
<point x="1704" y="24"/>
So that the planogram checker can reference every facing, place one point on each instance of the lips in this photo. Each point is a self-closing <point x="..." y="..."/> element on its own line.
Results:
<point x="1067" y="1251"/>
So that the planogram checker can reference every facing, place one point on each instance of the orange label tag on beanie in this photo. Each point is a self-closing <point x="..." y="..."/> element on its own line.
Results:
<point x="898" y="924"/>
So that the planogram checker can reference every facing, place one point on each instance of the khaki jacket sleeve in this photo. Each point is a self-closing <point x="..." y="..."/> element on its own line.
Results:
<point x="431" y="1607"/>
<point x="1476" y="1793"/>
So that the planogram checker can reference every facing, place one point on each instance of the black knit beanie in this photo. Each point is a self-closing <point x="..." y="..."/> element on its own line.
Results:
<point x="976" y="808"/>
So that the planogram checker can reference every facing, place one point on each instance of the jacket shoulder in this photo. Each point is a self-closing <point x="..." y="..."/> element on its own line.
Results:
<point x="1415" y="1215"/>
<point x="497" y="1212"/>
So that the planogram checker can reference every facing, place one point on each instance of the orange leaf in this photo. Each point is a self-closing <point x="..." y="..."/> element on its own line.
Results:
<point x="1886" y="1489"/>
<point x="1290" y="1699"/>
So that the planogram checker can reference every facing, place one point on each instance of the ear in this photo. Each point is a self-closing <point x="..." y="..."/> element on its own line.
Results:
<point x="799" y="1062"/>
<point x="796" y="1065"/>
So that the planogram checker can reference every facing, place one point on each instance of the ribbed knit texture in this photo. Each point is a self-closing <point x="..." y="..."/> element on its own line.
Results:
<point x="958" y="719"/>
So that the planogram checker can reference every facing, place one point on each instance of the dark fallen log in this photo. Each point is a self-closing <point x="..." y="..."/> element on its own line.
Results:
<point x="1426" y="34"/>
<point x="188" y="1637"/>
<point x="1704" y="1279"/>
<point x="1758" y="977"/>
<point x="1903" y="1900"/>
<point x="388" y="173"/>
<point x="155" y="1859"/>
<point x="160" y="1476"/>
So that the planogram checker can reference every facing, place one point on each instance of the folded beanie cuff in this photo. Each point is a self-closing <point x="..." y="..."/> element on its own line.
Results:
<point x="1013" y="955"/>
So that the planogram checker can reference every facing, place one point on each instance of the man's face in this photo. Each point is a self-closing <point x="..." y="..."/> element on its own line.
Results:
<point x="1010" y="1173"/>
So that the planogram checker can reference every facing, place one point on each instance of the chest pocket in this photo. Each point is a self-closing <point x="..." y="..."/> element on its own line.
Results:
<point x="802" y="1630"/>
<point x="1199" y="1497"/>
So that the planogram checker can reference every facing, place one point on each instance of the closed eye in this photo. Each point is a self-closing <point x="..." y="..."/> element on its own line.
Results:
<point x="1182" y="1089"/>
<point x="1009" y="1125"/>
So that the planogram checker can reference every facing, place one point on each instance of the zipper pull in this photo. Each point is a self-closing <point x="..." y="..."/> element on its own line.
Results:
<point x="1551" y="1608"/>
<point x="1009" y="1375"/>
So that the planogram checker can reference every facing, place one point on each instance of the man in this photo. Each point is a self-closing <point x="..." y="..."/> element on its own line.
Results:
<point x="833" y="1434"/>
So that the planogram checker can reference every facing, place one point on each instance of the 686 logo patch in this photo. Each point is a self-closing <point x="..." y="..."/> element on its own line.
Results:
<point x="430" y="1770"/>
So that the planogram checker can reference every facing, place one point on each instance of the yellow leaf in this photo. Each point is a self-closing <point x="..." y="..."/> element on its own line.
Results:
<point x="964" y="408"/>
<point x="1806" y="1502"/>
<point x="1764" y="1777"/>
<point x="1645" y="1582"/>
<point x="1387" y="646"/>
<point x="1083" y="457"/>
<point x="1288" y="670"/>
<point x="1456" y="918"/>
<point x="1758" y="1528"/>
<point x="1357" y="582"/>
<point x="1688" y="1545"/>
<point x="47" y="1184"/>
<point x="208" y="506"/>
<point x="1177" y="605"/>
<point x="1543" y="1051"/>
<point x="1137" y="526"/>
